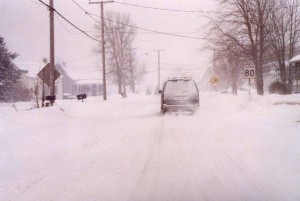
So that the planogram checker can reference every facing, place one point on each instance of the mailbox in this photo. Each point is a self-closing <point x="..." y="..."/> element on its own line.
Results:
<point x="81" y="97"/>
<point x="50" y="98"/>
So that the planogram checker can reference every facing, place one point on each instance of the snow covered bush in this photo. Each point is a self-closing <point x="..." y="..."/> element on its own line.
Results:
<point x="278" y="88"/>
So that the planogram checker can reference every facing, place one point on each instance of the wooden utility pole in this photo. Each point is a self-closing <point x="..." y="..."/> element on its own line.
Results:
<point x="52" y="64"/>
<point x="43" y="92"/>
<point x="158" y="66"/>
<point x="103" y="44"/>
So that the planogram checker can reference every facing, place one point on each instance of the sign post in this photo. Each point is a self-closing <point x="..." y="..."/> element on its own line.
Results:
<point x="44" y="75"/>
<point x="249" y="73"/>
<point x="43" y="88"/>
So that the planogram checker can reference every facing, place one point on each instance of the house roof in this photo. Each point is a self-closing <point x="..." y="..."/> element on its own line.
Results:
<point x="275" y="64"/>
<point x="295" y="59"/>
<point x="31" y="68"/>
<point x="82" y="71"/>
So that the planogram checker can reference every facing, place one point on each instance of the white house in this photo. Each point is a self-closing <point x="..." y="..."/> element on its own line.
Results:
<point x="76" y="78"/>
<point x="295" y="65"/>
<point x="80" y="78"/>
<point x="32" y="82"/>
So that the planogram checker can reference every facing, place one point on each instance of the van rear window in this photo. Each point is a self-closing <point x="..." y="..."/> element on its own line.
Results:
<point x="180" y="87"/>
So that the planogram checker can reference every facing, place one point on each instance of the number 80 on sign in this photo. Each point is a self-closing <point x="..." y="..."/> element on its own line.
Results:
<point x="249" y="72"/>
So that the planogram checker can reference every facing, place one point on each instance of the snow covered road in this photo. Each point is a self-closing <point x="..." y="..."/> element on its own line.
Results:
<point x="234" y="148"/>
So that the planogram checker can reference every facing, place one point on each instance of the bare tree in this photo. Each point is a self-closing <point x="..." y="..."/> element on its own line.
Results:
<point x="283" y="33"/>
<point x="230" y="51"/>
<point x="277" y="30"/>
<point x="227" y="69"/>
<point x="120" y="34"/>
<point x="241" y="24"/>
<point x="294" y="34"/>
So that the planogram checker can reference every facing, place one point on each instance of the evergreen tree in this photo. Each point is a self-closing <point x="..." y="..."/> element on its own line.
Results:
<point x="9" y="74"/>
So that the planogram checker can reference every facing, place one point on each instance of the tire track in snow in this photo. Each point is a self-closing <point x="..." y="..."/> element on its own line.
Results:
<point x="22" y="189"/>
<point x="144" y="188"/>
<point x="167" y="173"/>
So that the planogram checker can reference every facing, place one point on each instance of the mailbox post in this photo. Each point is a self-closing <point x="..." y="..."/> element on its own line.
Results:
<point x="51" y="99"/>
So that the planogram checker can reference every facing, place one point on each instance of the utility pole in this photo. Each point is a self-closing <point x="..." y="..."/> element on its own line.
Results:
<point x="103" y="44"/>
<point x="158" y="66"/>
<point x="43" y="92"/>
<point x="52" y="65"/>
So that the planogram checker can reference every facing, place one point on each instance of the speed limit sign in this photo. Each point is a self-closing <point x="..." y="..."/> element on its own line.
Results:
<point x="249" y="72"/>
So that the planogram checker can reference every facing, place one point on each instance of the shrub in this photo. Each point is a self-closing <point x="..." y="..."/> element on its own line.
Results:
<point x="278" y="88"/>
<point x="20" y="93"/>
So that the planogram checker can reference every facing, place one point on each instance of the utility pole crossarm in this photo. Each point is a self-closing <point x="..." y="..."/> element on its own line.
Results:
<point x="97" y="2"/>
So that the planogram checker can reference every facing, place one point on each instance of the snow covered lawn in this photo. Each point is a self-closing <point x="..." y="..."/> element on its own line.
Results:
<point x="234" y="148"/>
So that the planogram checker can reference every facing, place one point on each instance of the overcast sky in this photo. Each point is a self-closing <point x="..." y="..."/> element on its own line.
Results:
<point x="25" y="26"/>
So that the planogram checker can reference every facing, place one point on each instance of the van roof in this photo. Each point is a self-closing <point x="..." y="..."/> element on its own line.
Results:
<point x="179" y="78"/>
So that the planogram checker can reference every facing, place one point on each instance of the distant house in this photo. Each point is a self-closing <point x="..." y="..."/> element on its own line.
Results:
<point x="80" y="79"/>
<point x="271" y="74"/>
<point x="74" y="79"/>
<point x="295" y="66"/>
<point x="31" y="81"/>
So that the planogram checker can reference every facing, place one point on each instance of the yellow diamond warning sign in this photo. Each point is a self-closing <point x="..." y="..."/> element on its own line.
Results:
<point x="214" y="80"/>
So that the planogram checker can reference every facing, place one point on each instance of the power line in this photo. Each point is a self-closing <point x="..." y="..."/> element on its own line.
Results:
<point x="169" y="69"/>
<point x="145" y="32"/>
<point x="152" y="42"/>
<point x="159" y="32"/>
<point x="162" y="9"/>
<point x="79" y="59"/>
<point x="183" y="69"/>
<point x="69" y="21"/>
<point x="168" y="64"/>
<point x="80" y="7"/>
<point x="63" y="26"/>
<point x="168" y="44"/>
<point x="85" y="11"/>
<point x="145" y="29"/>
<point x="36" y="3"/>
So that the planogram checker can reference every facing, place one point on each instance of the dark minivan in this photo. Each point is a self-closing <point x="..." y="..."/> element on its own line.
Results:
<point x="179" y="94"/>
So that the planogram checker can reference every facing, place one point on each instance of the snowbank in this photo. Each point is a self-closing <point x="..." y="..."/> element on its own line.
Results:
<point x="235" y="148"/>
